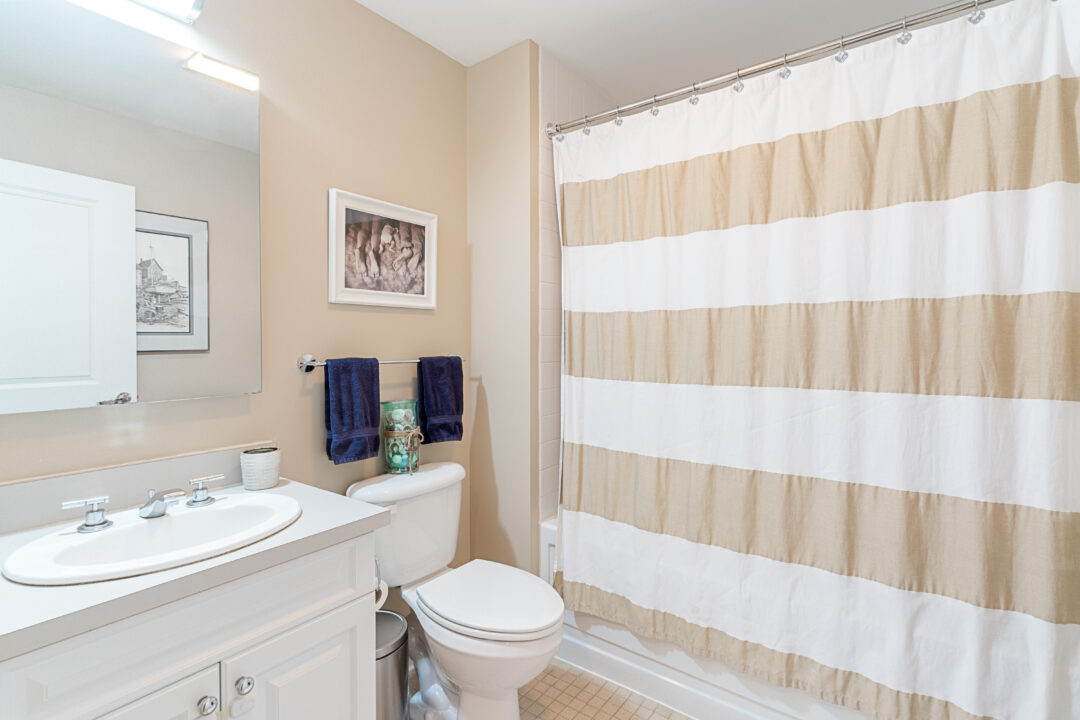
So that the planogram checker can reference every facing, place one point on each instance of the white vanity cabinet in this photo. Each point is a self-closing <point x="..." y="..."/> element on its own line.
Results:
<point x="192" y="698"/>
<point x="294" y="641"/>
<point x="304" y="673"/>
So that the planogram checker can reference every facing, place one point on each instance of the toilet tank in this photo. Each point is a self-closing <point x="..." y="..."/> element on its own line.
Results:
<point x="424" y="511"/>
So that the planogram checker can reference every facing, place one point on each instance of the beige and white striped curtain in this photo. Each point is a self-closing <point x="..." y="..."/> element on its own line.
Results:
<point x="822" y="372"/>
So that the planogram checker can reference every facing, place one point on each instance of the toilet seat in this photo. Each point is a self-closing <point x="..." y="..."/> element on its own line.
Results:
<point x="488" y="634"/>
<point x="491" y="601"/>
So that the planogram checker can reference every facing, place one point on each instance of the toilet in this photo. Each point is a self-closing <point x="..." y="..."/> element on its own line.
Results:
<point x="490" y="628"/>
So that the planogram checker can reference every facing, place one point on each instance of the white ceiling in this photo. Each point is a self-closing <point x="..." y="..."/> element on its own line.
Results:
<point x="636" y="48"/>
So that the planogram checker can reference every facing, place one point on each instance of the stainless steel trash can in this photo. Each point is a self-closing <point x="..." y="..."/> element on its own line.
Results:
<point x="391" y="665"/>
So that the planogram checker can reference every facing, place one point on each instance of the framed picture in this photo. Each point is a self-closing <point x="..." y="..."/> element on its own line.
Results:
<point x="171" y="298"/>
<point x="380" y="253"/>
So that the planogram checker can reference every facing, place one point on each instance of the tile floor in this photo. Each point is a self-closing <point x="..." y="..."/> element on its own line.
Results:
<point x="563" y="692"/>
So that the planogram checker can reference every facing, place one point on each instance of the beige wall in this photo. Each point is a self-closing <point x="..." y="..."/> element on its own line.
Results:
<point x="173" y="173"/>
<point x="350" y="101"/>
<point x="503" y="228"/>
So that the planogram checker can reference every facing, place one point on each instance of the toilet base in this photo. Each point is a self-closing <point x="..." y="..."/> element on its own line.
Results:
<point x="473" y="706"/>
<point x="470" y="706"/>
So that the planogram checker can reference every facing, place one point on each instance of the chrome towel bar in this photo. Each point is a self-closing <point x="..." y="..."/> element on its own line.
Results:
<point x="307" y="363"/>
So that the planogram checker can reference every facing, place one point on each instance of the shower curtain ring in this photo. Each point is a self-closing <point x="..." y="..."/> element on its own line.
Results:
<point x="655" y="110"/>
<point x="976" y="15"/>
<point x="587" y="129"/>
<point x="618" y="117"/>
<point x="785" y="72"/>
<point x="843" y="54"/>
<point x="905" y="35"/>
<point x="693" y="94"/>
<point x="738" y="86"/>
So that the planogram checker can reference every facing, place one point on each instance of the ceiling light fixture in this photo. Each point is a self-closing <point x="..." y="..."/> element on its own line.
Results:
<point x="141" y="17"/>
<point x="183" y="10"/>
<point x="220" y="71"/>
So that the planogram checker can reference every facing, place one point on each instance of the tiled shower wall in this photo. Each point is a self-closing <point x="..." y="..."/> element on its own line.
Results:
<point x="564" y="95"/>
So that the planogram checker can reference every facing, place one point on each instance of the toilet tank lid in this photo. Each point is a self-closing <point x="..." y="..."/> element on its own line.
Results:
<point x="390" y="488"/>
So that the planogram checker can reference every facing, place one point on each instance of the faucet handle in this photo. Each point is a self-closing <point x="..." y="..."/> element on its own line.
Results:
<point x="95" y="515"/>
<point x="91" y="501"/>
<point x="199" y="482"/>
<point x="200" y="496"/>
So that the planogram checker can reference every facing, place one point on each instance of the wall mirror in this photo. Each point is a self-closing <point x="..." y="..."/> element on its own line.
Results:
<point x="129" y="217"/>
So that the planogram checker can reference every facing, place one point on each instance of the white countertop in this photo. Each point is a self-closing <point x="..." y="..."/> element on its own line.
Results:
<point x="34" y="616"/>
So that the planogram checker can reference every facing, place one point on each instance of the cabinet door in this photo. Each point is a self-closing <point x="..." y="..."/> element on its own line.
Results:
<point x="67" y="289"/>
<point x="179" y="701"/>
<point x="322" y="669"/>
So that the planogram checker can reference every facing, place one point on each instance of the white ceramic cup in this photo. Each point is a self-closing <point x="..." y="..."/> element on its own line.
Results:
<point x="260" y="468"/>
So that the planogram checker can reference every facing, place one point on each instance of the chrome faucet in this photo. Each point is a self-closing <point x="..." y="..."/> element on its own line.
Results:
<point x="156" y="502"/>
<point x="200" y="496"/>
<point x="95" y="516"/>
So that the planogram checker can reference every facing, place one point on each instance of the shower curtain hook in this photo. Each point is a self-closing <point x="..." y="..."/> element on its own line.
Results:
<point x="693" y="94"/>
<point x="738" y="86"/>
<point x="587" y="129"/>
<point x="842" y="55"/>
<point x="785" y="72"/>
<point x="905" y="35"/>
<point x="618" y="117"/>
<point x="655" y="110"/>
<point x="976" y="15"/>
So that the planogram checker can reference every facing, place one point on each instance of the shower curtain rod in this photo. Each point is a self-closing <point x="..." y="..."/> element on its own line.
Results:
<point x="845" y="41"/>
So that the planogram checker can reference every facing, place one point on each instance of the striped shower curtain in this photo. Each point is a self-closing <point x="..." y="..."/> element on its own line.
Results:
<point x="821" y="385"/>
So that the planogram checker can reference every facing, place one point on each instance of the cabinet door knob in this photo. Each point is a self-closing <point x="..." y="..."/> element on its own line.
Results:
<point x="245" y="685"/>
<point x="208" y="705"/>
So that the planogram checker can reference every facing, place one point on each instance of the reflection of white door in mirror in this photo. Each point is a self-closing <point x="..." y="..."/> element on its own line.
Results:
<point x="67" y="289"/>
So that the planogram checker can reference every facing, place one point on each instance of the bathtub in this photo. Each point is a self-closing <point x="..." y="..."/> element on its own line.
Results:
<point x="698" y="687"/>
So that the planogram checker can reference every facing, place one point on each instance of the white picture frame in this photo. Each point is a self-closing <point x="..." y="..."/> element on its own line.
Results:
<point x="380" y="253"/>
<point x="171" y="322"/>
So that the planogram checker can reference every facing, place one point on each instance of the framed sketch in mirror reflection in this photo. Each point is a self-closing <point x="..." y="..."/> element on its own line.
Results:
<point x="171" y="291"/>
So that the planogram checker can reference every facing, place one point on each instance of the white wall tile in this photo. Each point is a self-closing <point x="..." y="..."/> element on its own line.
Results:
<point x="550" y="267"/>
<point x="549" y="454"/>
<point x="550" y="373"/>
<point x="549" y="480"/>
<point x="564" y="95"/>
<point x="549" y="505"/>
<point x="549" y="428"/>
<point x="549" y="401"/>
<point x="551" y="324"/>
<point x="554" y="250"/>
<point x="551" y="251"/>
<point x="550" y="296"/>
<point x="549" y="352"/>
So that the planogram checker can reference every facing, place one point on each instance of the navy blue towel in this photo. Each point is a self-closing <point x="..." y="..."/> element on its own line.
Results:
<point x="438" y="383"/>
<point x="352" y="409"/>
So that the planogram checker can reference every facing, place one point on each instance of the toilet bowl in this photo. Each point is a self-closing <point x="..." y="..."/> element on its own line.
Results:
<point x="491" y="629"/>
<point x="487" y="629"/>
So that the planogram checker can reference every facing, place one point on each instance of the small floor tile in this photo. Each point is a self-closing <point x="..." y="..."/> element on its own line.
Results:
<point x="564" y="692"/>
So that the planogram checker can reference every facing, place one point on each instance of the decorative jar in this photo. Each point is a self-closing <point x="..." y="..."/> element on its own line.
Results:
<point x="401" y="436"/>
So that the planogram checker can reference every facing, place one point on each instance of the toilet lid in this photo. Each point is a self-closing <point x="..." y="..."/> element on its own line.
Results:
<point x="492" y="597"/>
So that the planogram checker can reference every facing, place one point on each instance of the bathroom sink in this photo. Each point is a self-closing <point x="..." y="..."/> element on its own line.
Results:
<point x="135" y="546"/>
